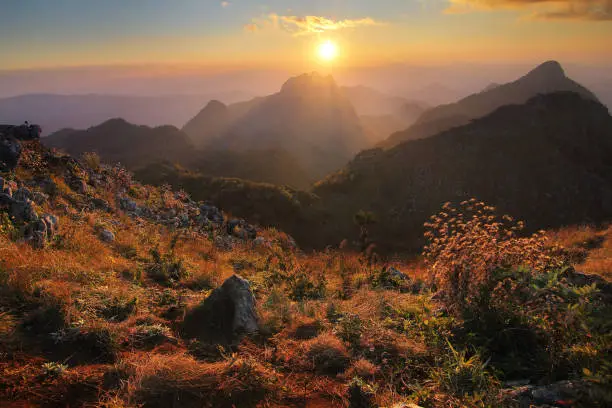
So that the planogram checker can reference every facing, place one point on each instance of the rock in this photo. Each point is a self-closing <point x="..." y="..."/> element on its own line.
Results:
<point x="41" y="230"/>
<point x="223" y="243"/>
<point x="78" y="185"/>
<point x="22" y="194"/>
<point x="22" y="211"/>
<point x="22" y="132"/>
<point x="107" y="236"/>
<point x="225" y="316"/>
<point x="397" y="274"/>
<point x="557" y="394"/>
<point x="5" y="201"/>
<point x="210" y="214"/>
<point x="36" y="234"/>
<point x="583" y="279"/>
<point x="127" y="204"/>
<point x="100" y="204"/>
<point x="39" y="197"/>
<point x="52" y="224"/>
<point x="6" y="187"/>
<point x="10" y="152"/>
<point x="48" y="186"/>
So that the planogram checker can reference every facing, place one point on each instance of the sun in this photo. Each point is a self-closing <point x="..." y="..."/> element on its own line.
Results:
<point x="328" y="51"/>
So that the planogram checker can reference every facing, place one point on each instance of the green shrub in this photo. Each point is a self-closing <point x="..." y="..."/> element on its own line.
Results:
<point x="167" y="268"/>
<point x="302" y="287"/>
<point x="460" y="375"/>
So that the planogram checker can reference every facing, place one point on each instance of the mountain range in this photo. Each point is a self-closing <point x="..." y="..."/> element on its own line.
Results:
<point x="310" y="117"/>
<point x="547" y="161"/>
<point x="55" y="112"/>
<point x="547" y="77"/>
<point x="116" y="140"/>
<point x="539" y="148"/>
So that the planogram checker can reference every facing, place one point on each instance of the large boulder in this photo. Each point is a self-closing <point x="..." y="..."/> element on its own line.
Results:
<point x="225" y="316"/>
<point x="10" y="152"/>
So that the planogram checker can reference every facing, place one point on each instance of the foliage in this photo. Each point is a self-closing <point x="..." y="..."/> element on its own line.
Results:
<point x="167" y="268"/>
<point x="469" y="245"/>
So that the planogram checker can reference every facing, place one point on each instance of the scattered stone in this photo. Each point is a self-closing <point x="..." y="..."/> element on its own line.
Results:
<point x="127" y="204"/>
<point x="39" y="197"/>
<point x="100" y="204"/>
<point x="78" y="185"/>
<point x="22" y="194"/>
<point x="107" y="236"/>
<point x="397" y="274"/>
<point x="6" y="187"/>
<point x="5" y="201"/>
<point x="225" y="316"/>
<point x="211" y="214"/>
<point x="10" y="152"/>
<point x="558" y="394"/>
<point x="22" y="211"/>
<point x="40" y="231"/>
<point x="48" y="186"/>
<point x="223" y="243"/>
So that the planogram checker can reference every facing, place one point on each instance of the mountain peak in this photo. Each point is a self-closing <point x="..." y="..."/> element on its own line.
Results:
<point x="548" y="70"/>
<point x="215" y="105"/>
<point x="309" y="81"/>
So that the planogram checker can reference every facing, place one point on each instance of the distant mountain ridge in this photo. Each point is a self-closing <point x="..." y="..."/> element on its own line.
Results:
<point x="54" y="112"/>
<point x="546" y="78"/>
<point x="117" y="140"/>
<point x="310" y="117"/>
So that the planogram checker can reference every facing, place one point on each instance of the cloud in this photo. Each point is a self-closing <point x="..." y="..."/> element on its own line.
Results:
<point x="593" y="10"/>
<point x="308" y="25"/>
<point x="225" y="4"/>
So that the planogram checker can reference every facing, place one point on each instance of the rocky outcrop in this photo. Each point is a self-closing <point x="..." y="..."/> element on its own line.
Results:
<point x="22" y="132"/>
<point x="10" y="152"/>
<point x="18" y="204"/>
<point x="225" y="316"/>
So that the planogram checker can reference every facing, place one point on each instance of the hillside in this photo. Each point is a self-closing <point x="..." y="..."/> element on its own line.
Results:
<point x="310" y="118"/>
<point x="546" y="162"/>
<point x="118" y="294"/>
<point x="119" y="141"/>
<point x="546" y="78"/>
<point x="214" y="120"/>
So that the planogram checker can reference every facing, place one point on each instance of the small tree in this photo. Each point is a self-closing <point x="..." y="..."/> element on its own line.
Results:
<point x="363" y="219"/>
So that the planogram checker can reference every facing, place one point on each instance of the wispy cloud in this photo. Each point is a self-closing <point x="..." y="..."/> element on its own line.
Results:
<point x="592" y="10"/>
<point x="308" y="25"/>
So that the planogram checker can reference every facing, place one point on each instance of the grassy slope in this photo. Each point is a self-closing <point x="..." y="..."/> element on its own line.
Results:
<point x="85" y="323"/>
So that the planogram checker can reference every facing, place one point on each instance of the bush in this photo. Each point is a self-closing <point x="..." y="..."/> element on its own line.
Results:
<point x="167" y="268"/>
<point x="460" y="375"/>
<point x="467" y="247"/>
<point x="301" y="287"/>
<point x="517" y="300"/>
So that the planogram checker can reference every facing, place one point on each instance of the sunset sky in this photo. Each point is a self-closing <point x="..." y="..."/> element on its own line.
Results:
<point x="285" y="33"/>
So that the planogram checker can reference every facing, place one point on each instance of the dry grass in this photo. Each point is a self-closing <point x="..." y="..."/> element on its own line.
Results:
<point x="323" y="322"/>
